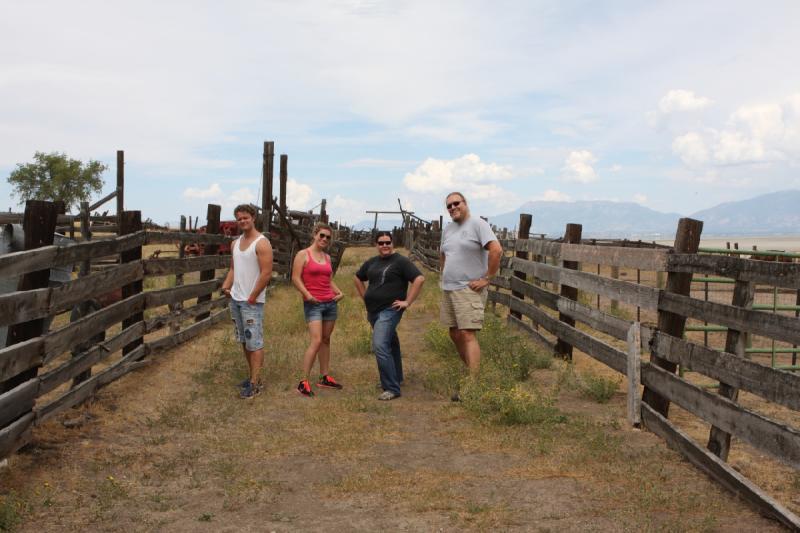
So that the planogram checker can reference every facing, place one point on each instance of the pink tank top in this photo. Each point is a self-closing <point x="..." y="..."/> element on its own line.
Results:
<point x="317" y="278"/>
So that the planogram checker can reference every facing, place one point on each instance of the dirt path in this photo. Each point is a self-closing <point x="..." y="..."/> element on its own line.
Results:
<point x="171" y="448"/>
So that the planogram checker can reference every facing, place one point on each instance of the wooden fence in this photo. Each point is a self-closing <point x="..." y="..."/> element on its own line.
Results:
<point x="104" y="323"/>
<point x="540" y="283"/>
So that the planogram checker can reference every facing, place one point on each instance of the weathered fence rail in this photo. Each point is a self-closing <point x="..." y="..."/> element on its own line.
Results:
<point x="531" y="286"/>
<point x="115" y="324"/>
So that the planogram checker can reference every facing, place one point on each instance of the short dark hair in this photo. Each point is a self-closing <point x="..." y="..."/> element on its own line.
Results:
<point x="383" y="234"/>
<point x="245" y="208"/>
<point x="463" y="198"/>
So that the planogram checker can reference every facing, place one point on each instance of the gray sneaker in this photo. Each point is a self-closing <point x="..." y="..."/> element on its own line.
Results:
<point x="388" y="395"/>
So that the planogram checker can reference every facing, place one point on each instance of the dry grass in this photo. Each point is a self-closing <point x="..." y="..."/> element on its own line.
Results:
<point x="173" y="448"/>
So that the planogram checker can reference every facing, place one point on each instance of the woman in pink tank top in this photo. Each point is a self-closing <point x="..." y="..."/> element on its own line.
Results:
<point x="312" y="276"/>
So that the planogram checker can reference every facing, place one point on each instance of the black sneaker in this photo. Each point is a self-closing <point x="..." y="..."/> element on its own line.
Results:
<point x="304" y="388"/>
<point x="249" y="391"/>
<point x="246" y="382"/>
<point x="328" y="381"/>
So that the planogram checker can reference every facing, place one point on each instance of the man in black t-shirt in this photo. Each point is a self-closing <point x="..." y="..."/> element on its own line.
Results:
<point x="386" y="296"/>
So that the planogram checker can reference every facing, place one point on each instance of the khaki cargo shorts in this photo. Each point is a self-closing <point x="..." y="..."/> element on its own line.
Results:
<point x="463" y="309"/>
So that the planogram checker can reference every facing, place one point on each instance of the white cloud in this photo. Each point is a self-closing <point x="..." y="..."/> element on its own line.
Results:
<point x="615" y="168"/>
<point x="347" y="210"/>
<point x="578" y="167"/>
<point x="691" y="148"/>
<point x="640" y="198"/>
<point x="682" y="100"/>
<point x="298" y="195"/>
<point x="467" y="172"/>
<point x="752" y="134"/>
<point x="551" y="195"/>
<point x="212" y="192"/>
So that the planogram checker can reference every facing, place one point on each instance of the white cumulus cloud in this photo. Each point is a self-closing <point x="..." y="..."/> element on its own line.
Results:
<point x="212" y="192"/>
<point x="467" y="172"/>
<point x="578" y="167"/>
<point x="298" y="195"/>
<point x="552" y="195"/>
<point x="691" y="148"/>
<point x="752" y="134"/>
<point x="640" y="198"/>
<point x="682" y="100"/>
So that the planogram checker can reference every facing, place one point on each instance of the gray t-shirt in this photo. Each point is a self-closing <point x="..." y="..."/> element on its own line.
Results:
<point x="465" y="256"/>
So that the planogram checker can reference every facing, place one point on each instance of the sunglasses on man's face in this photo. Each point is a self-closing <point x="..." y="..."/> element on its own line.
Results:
<point x="324" y="236"/>
<point x="384" y="243"/>
<point x="451" y="205"/>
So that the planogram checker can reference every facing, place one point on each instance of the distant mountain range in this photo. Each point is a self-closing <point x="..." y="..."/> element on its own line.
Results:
<point x="776" y="213"/>
<point x="769" y="214"/>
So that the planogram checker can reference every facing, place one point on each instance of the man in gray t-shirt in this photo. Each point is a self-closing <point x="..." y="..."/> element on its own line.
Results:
<point x="469" y="255"/>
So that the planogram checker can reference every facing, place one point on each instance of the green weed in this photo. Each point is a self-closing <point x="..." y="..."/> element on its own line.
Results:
<point x="12" y="507"/>
<point x="598" y="388"/>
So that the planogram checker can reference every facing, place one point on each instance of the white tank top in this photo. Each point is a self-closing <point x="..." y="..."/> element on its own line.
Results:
<point x="245" y="271"/>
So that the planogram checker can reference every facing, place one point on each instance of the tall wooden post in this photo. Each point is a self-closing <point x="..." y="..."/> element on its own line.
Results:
<point x="524" y="232"/>
<point x="86" y="235"/>
<point x="719" y="442"/>
<point x="212" y="228"/>
<point x="120" y="188"/>
<point x="131" y="222"/>
<point x="39" y="224"/>
<point x="572" y="235"/>
<point x="177" y="306"/>
<point x="687" y="241"/>
<point x="266" y="186"/>
<point x="284" y="177"/>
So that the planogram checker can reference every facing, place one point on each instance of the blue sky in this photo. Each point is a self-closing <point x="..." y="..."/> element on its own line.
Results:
<point x="675" y="105"/>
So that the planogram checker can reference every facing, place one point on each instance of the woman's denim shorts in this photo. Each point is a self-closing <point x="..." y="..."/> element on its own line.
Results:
<point x="325" y="311"/>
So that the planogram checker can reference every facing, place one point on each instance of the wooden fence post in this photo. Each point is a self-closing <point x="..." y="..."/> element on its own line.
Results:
<point x="212" y="228"/>
<point x="284" y="177"/>
<point x="267" y="172"/>
<point x="525" y="220"/>
<point x="634" y="374"/>
<point x="614" y="275"/>
<point x="572" y="235"/>
<point x="177" y="306"/>
<point x="39" y="224"/>
<point x="120" y="189"/>
<point x="131" y="222"/>
<point x="687" y="241"/>
<point x="719" y="442"/>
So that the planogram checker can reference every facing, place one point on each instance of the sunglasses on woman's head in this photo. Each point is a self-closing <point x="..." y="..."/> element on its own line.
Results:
<point x="451" y="205"/>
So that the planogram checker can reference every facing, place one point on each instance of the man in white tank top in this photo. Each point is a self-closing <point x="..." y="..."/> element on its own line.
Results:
<point x="245" y="285"/>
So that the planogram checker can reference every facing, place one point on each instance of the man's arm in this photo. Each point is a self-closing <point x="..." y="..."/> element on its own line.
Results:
<point x="495" y="253"/>
<point x="228" y="283"/>
<point x="264" y="256"/>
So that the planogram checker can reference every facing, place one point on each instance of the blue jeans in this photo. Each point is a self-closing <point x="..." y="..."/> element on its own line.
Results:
<point x="324" y="311"/>
<point x="248" y="324"/>
<point x="386" y="346"/>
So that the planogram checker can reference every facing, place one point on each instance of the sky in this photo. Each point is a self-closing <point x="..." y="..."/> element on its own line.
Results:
<point x="674" y="105"/>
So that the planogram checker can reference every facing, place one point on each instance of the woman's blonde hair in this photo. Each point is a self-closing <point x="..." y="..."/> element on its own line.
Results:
<point x="320" y="226"/>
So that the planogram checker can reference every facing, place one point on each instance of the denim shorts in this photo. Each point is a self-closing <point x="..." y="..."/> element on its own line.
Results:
<point x="248" y="324"/>
<point x="325" y="311"/>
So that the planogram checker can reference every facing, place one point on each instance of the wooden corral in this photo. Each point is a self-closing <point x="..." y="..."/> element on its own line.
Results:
<point x="108" y="322"/>
<point x="539" y="286"/>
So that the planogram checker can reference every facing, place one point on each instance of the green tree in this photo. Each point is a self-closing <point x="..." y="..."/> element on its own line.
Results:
<point x="55" y="176"/>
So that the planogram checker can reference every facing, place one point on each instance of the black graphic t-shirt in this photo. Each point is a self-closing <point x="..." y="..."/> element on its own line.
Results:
<point x="388" y="279"/>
